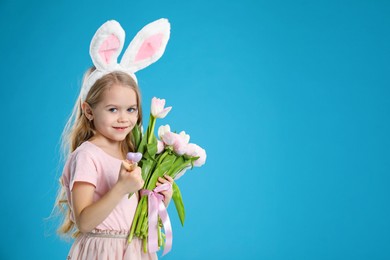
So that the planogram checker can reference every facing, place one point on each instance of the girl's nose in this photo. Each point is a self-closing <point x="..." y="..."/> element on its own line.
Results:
<point x="122" y="117"/>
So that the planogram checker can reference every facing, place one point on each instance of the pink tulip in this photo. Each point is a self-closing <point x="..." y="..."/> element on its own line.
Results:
<point x="157" y="108"/>
<point x="185" y="136"/>
<point x="169" y="138"/>
<point x="180" y="144"/>
<point x="160" y="147"/>
<point x="163" y="129"/>
<point x="195" y="150"/>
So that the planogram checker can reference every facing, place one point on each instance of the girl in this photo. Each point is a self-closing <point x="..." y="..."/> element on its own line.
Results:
<point x="96" y="180"/>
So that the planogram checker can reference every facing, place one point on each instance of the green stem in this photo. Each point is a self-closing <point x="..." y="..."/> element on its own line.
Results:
<point x="152" y="123"/>
<point x="150" y="174"/>
<point x="145" y="225"/>
<point x="163" y="239"/>
<point x="159" y="236"/>
<point x="141" y="220"/>
<point x="145" y="244"/>
<point x="135" y="220"/>
<point x="162" y="157"/>
<point x="161" y="170"/>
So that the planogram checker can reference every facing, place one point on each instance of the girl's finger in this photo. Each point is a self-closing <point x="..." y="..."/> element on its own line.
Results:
<point x="169" y="178"/>
<point x="162" y="180"/>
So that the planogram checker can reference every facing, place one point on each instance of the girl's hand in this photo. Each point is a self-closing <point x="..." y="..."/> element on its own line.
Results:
<point x="129" y="180"/>
<point x="168" y="193"/>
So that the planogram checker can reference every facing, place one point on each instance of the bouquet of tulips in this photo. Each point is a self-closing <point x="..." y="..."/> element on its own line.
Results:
<point x="171" y="155"/>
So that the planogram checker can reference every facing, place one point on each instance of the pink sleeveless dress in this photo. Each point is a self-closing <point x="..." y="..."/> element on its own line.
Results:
<point x="88" y="163"/>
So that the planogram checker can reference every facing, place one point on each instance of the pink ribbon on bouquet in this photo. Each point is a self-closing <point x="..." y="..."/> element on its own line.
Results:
<point x="157" y="208"/>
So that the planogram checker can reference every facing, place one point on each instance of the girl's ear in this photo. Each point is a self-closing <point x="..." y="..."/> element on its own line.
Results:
<point x="147" y="46"/>
<point x="87" y="111"/>
<point x="106" y="45"/>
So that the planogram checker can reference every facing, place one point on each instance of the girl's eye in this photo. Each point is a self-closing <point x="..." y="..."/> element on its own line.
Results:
<point x="113" y="109"/>
<point x="132" y="110"/>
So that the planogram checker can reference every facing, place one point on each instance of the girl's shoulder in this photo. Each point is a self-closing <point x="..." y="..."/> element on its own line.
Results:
<point x="86" y="149"/>
<point x="83" y="159"/>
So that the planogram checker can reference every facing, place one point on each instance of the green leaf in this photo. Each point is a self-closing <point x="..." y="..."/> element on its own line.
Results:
<point x="176" y="166"/>
<point x="160" y="169"/>
<point x="176" y="196"/>
<point x="136" y="132"/>
<point x="167" y="163"/>
<point x="147" y="165"/>
<point x="150" y="130"/>
<point x="180" y="164"/>
<point x="142" y="145"/>
<point x="152" y="146"/>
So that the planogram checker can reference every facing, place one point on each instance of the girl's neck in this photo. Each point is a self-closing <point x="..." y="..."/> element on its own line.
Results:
<point x="111" y="148"/>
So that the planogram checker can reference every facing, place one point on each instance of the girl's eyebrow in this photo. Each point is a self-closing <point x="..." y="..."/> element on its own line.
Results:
<point x="112" y="105"/>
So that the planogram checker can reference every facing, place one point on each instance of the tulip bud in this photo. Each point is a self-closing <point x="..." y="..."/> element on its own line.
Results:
<point x="162" y="130"/>
<point x="194" y="150"/>
<point x="180" y="144"/>
<point x="157" y="108"/>
<point x="169" y="138"/>
<point x="185" y="136"/>
<point x="160" y="147"/>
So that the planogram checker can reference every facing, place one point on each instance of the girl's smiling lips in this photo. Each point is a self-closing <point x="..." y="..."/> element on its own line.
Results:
<point x="120" y="128"/>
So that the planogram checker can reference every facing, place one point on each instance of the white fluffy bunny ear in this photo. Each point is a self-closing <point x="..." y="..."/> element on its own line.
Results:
<point x="147" y="46"/>
<point x="106" y="45"/>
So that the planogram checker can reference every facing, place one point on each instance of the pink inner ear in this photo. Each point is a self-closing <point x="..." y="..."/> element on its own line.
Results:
<point x="149" y="47"/>
<point x="108" y="48"/>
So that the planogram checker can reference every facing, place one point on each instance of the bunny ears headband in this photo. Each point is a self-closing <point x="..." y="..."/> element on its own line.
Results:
<point x="147" y="47"/>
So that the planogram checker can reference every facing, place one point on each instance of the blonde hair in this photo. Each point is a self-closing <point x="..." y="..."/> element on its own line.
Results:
<point x="79" y="129"/>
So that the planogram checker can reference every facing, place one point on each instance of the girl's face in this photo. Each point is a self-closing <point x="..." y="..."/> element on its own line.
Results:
<point x="116" y="114"/>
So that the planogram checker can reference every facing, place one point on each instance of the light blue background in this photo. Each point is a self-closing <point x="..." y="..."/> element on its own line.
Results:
<point x="290" y="99"/>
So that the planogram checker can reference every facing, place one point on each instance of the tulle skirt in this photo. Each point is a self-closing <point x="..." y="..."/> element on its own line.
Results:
<point x="108" y="245"/>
